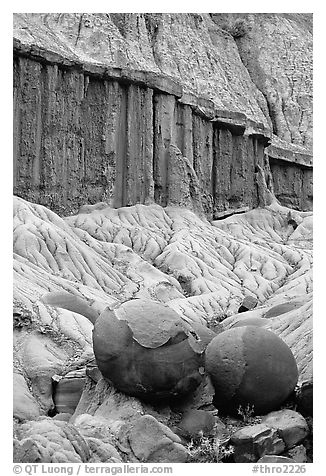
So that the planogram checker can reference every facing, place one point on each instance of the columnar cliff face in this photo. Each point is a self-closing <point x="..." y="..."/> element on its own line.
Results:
<point x="128" y="108"/>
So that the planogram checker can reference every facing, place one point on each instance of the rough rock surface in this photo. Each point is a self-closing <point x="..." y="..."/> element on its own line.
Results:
<point x="160" y="43"/>
<point x="256" y="441"/>
<point x="153" y="442"/>
<point x="146" y="350"/>
<point x="250" y="366"/>
<point x="291" y="426"/>
<point x="304" y="398"/>
<point x="298" y="454"/>
<point x="25" y="407"/>
<point x="277" y="51"/>
<point x="100" y="99"/>
<point x="49" y="441"/>
<point x="195" y="423"/>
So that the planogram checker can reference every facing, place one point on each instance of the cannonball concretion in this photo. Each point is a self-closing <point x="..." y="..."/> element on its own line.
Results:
<point x="250" y="366"/>
<point x="148" y="351"/>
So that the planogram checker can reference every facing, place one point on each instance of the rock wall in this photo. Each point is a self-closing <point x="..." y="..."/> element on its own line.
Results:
<point x="86" y="132"/>
<point x="82" y="138"/>
<point x="292" y="184"/>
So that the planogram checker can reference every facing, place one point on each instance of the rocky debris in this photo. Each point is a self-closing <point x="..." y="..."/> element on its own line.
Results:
<point x="68" y="390"/>
<point x="25" y="407"/>
<point x="275" y="459"/>
<point x="200" y="399"/>
<point x="195" y="423"/>
<point x="103" y="401"/>
<point x="304" y="398"/>
<point x="298" y="454"/>
<point x="152" y="441"/>
<point x="291" y="426"/>
<point x="255" y="441"/>
<point x="250" y="366"/>
<point x="249" y="302"/>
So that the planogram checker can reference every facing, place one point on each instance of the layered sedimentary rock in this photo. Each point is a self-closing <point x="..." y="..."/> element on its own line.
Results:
<point x="100" y="99"/>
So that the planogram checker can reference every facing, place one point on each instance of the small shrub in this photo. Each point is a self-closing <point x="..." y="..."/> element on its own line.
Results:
<point x="237" y="29"/>
<point x="209" y="450"/>
<point x="22" y="319"/>
<point x="246" y="413"/>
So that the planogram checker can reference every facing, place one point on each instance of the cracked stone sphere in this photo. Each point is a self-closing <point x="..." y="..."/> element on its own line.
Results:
<point x="146" y="350"/>
<point x="252" y="367"/>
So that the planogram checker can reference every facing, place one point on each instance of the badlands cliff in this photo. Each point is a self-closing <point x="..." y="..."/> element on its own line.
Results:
<point x="99" y="99"/>
<point x="164" y="157"/>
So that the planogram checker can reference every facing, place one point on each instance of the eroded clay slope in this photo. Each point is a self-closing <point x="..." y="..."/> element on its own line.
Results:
<point x="277" y="52"/>
<point x="187" y="47"/>
<point x="107" y="256"/>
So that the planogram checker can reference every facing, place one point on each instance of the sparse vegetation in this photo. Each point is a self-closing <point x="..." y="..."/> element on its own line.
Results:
<point x="247" y="414"/>
<point x="238" y="28"/>
<point x="209" y="450"/>
<point x="22" y="319"/>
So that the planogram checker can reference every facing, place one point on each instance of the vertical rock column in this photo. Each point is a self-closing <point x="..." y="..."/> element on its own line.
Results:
<point x="292" y="184"/>
<point x="203" y="160"/>
<point x="164" y="127"/>
<point x="183" y="136"/>
<point x="62" y="156"/>
<point x="48" y="140"/>
<point x="27" y="126"/>
<point x="233" y="175"/>
<point x="139" y="186"/>
<point x="222" y="168"/>
<point x="121" y="156"/>
<point x="115" y="141"/>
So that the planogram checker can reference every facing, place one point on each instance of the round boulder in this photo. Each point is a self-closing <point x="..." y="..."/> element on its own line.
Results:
<point x="250" y="366"/>
<point x="148" y="351"/>
<point x="144" y="348"/>
<point x="250" y="321"/>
